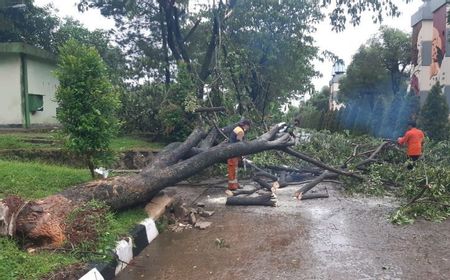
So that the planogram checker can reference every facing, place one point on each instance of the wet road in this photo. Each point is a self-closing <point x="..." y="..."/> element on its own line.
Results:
<point x="334" y="238"/>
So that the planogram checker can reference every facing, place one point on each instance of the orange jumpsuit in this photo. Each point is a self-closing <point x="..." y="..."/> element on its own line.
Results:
<point x="413" y="139"/>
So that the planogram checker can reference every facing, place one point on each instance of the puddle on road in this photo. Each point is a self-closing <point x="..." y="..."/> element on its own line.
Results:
<point x="336" y="238"/>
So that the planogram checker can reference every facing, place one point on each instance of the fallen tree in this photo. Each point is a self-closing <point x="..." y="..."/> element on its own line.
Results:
<point x="43" y="221"/>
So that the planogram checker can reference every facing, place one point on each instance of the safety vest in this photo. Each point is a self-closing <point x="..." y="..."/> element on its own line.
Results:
<point x="234" y="134"/>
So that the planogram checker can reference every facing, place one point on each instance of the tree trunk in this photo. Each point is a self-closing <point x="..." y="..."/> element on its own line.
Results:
<point x="43" y="221"/>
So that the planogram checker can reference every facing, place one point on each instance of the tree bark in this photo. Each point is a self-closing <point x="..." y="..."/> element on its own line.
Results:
<point x="43" y="221"/>
<point x="261" y="200"/>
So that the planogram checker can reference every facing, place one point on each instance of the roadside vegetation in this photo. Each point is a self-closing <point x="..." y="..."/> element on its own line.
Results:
<point x="34" y="180"/>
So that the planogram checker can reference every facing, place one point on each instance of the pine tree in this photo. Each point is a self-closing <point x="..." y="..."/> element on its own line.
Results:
<point x="434" y="115"/>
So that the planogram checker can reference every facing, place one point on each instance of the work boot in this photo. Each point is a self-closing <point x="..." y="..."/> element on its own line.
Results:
<point x="233" y="186"/>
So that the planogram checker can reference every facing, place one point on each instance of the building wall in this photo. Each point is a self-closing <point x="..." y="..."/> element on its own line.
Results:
<point x="11" y="102"/>
<point x="431" y="52"/>
<point x="41" y="81"/>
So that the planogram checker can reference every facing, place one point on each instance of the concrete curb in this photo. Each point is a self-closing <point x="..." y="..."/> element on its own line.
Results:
<point x="141" y="236"/>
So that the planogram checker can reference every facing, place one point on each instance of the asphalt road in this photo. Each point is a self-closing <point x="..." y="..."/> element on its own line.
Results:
<point x="334" y="238"/>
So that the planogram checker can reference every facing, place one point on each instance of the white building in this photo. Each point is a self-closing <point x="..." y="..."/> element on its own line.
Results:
<point x="27" y="86"/>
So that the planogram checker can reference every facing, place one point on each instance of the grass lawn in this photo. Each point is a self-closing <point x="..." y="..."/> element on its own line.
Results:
<point x="53" y="140"/>
<point x="36" y="180"/>
<point x="128" y="143"/>
<point x="33" y="180"/>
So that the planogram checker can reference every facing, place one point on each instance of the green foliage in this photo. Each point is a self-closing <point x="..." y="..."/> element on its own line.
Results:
<point x="366" y="77"/>
<point x="434" y="115"/>
<point x="140" y="107"/>
<point x="394" y="47"/>
<point x="319" y="100"/>
<point x="176" y="111"/>
<point x="31" y="25"/>
<point x="100" y="40"/>
<point x="310" y="117"/>
<point x="87" y="102"/>
<point x="272" y="45"/>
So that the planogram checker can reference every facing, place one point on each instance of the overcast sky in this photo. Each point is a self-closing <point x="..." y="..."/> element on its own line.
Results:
<point x="343" y="44"/>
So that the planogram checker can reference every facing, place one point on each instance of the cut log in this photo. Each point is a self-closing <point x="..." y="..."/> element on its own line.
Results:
<point x="244" y="192"/>
<point x="261" y="200"/>
<point x="325" y="175"/>
<point x="314" y="196"/>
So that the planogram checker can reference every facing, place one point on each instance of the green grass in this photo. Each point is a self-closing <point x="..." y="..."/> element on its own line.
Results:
<point x="13" y="142"/>
<point x="19" y="141"/>
<point x="36" y="180"/>
<point x="33" y="180"/>
<point x="17" y="264"/>
<point x="22" y="140"/>
<point x="129" y="143"/>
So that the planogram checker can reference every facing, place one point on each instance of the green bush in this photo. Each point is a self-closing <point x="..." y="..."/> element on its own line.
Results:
<point x="87" y="103"/>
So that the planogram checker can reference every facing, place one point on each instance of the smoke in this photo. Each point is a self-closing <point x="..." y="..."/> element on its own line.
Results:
<point x="387" y="117"/>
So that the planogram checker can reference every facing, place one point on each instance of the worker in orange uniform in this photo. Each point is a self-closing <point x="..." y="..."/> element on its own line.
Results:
<point x="413" y="138"/>
<point x="236" y="135"/>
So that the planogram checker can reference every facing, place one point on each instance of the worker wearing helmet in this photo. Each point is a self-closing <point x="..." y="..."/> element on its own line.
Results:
<point x="236" y="135"/>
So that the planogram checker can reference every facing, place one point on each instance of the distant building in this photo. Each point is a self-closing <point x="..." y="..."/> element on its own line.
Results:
<point x="27" y="86"/>
<point x="338" y="73"/>
<point x="431" y="51"/>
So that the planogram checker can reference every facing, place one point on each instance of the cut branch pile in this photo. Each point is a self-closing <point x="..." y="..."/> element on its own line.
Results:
<point x="282" y="176"/>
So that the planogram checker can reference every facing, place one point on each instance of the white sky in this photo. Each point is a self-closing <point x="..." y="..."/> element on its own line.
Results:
<point x="343" y="44"/>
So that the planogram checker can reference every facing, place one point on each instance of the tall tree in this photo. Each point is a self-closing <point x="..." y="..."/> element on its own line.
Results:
<point x="394" y="47"/>
<point x="434" y="115"/>
<point x="366" y="77"/>
<point x="100" y="40"/>
<point x="273" y="42"/>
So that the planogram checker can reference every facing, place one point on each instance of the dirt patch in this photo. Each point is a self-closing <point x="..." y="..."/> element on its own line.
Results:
<point x="71" y="272"/>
